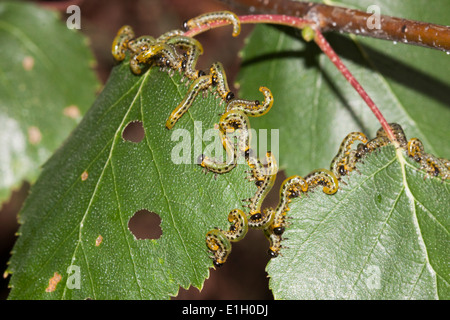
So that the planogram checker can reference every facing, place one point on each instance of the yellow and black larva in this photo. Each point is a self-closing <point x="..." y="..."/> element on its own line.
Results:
<point x="253" y="108"/>
<point x="163" y="51"/>
<point x="136" y="47"/>
<point x="399" y="134"/>
<point x="219" y="80"/>
<point x="433" y="165"/>
<point x="339" y="164"/>
<point x="212" y="17"/>
<point x="193" y="50"/>
<point x="167" y="55"/>
<point x="200" y="84"/>
<point x="274" y="221"/>
<point x="219" y="241"/>
<point x="264" y="176"/>
<point x="342" y="166"/>
<point x="382" y="140"/>
<point x="291" y="187"/>
<point x="232" y="124"/>
<point x="120" y="42"/>
<point x="324" y="178"/>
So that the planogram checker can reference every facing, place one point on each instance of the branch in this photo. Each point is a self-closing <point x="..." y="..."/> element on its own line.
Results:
<point x="333" y="18"/>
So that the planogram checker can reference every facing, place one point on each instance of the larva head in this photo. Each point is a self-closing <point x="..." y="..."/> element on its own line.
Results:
<point x="185" y="25"/>
<point x="259" y="182"/>
<point x="278" y="230"/>
<point x="229" y="96"/>
<point x="218" y="263"/>
<point x="255" y="217"/>
<point x="273" y="252"/>
<point x="342" y="170"/>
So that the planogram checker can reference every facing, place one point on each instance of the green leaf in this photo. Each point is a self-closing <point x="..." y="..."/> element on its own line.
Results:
<point x="383" y="235"/>
<point x="47" y="84"/>
<point x="64" y="215"/>
<point x="315" y="107"/>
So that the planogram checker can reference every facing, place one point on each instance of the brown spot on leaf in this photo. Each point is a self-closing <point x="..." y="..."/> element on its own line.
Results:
<point x="34" y="135"/>
<point x="98" y="241"/>
<point x="84" y="175"/>
<point x="53" y="282"/>
<point x="28" y="63"/>
<point x="72" y="112"/>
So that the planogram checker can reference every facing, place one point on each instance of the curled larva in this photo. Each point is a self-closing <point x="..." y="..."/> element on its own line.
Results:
<point x="434" y="166"/>
<point x="239" y="225"/>
<point x="236" y="121"/>
<point x="340" y="161"/>
<point x="399" y="134"/>
<point x="218" y="166"/>
<point x="167" y="54"/>
<point x="219" y="80"/>
<point x="212" y="17"/>
<point x="141" y="44"/>
<point x="259" y="171"/>
<point x="274" y="240"/>
<point x="324" y="178"/>
<point x="233" y="125"/>
<point x="193" y="50"/>
<point x="201" y="83"/>
<point x="120" y="42"/>
<point x="265" y="179"/>
<point x="253" y="108"/>
<point x="137" y="46"/>
<point x="219" y="245"/>
<point x="291" y="187"/>
<point x="185" y="43"/>
<point x="219" y="241"/>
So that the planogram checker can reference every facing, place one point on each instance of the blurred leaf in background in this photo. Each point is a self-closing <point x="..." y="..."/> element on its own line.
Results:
<point x="47" y="84"/>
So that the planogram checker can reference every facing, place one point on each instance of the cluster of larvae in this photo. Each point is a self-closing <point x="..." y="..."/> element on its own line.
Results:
<point x="174" y="51"/>
<point x="274" y="221"/>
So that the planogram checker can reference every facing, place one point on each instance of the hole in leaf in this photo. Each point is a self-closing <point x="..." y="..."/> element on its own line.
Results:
<point x="133" y="132"/>
<point x="145" y="225"/>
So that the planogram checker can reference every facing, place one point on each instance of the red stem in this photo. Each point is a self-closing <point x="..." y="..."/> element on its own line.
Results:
<point x="324" y="45"/>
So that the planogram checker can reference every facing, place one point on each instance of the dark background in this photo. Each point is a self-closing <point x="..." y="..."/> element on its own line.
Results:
<point x="243" y="276"/>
